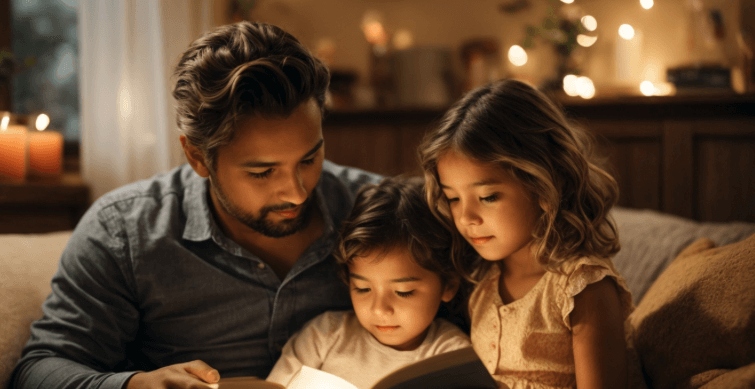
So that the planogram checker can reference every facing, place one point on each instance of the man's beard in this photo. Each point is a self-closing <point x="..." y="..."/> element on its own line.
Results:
<point x="261" y="224"/>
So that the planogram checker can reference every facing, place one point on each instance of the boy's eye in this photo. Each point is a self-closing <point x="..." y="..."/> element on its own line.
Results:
<point x="489" y="199"/>
<point x="264" y="174"/>
<point x="308" y="161"/>
<point x="405" y="294"/>
<point x="361" y="290"/>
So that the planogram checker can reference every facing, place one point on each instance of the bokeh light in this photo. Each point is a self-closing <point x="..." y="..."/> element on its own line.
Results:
<point x="570" y="85"/>
<point x="585" y="87"/>
<point x="626" y="31"/>
<point x="42" y="122"/>
<point x="647" y="4"/>
<point x="517" y="55"/>
<point x="589" y="22"/>
<point x="647" y="88"/>
<point x="586" y="40"/>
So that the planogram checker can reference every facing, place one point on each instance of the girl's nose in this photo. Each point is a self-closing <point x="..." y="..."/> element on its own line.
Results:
<point x="469" y="215"/>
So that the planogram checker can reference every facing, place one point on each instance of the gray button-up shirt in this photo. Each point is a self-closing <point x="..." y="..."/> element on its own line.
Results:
<point x="148" y="279"/>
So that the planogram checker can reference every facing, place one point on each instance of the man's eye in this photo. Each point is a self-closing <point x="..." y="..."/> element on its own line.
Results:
<point x="264" y="174"/>
<point x="405" y="294"/>
<point x="308" y="161"/>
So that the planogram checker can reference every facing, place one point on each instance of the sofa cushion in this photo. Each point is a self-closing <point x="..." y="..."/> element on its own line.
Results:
<point x="27" y="264"/>
<point x="699" y="315"/>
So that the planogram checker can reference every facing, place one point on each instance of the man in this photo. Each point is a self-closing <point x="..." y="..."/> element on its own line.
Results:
<point x="208" y="269"/>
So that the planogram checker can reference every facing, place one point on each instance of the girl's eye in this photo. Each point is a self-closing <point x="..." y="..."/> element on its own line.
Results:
<point x="308" y="161"/>
<point x="361" y="290"/>
<point x="264" y="174"/>
<point x="489" y="199"/>
<point x="405" y="294"/>
<point x="452" y="199"/>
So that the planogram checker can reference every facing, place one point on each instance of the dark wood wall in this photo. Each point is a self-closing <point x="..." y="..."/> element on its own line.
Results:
<point x="689" y="156"/>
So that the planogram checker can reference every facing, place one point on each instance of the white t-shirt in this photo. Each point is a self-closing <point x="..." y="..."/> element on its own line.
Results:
<point x="336" y="343"/>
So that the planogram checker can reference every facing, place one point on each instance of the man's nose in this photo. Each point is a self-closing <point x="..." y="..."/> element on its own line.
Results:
<point x="292" y="189"/>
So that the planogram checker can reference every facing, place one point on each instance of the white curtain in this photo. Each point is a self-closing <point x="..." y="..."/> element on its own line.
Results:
<point x="127" y="52"/>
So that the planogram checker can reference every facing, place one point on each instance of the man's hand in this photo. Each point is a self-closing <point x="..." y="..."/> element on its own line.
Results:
<point x="190" y="375"/>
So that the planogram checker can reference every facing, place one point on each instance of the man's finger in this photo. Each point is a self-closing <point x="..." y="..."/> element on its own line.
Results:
<point x="203" y="371"/>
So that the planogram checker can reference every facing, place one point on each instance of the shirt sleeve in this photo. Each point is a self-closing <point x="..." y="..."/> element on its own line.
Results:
<point x="308" y="347"/>
<point x="580" y="273"/>
<point x="90" y="316"/>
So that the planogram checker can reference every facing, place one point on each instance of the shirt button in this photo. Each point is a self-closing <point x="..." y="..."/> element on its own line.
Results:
<point x="261" y="265"/>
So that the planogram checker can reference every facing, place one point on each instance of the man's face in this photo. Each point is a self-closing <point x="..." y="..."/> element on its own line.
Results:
<point x="264" y="178"/>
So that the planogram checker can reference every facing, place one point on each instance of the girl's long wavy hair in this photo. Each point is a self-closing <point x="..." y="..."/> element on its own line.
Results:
<point x="513" y="125"/>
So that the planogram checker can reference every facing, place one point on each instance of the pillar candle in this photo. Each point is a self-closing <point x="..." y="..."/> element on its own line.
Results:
<point x="13" y="153"/>
<point x="45" y="153"/>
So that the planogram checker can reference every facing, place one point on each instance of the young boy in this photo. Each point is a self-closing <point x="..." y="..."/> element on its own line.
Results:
<point x="394" y="257"/>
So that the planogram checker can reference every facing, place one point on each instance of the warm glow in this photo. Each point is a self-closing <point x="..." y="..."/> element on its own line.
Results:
<point x="567" y="1"/>
<point x="375" y="33"/>
<point x="647" y="4"/>
<point x="517" y="55"/>
<point x="647" y="88"/>
<point x="403" y="39"/>
<point x="586" y="40"/>
<point x="42" y="122"/>
<point x="626" y="31"/>
<point x="4" y="123"/>
<point x="589" y="22"/>
<point x="665" y="89"/>
<point x="585" y="87"/>
<point x="570" y="85"/>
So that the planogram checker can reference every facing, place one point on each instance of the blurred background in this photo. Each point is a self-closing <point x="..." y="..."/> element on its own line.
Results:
<point x="667" y="86"/>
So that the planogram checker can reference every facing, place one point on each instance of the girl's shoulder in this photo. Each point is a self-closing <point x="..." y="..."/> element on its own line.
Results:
<point x="572" y="277"/>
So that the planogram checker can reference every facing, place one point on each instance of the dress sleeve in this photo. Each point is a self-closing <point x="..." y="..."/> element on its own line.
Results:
<point x="579" y="273"/>
<point x="307" y="347"/>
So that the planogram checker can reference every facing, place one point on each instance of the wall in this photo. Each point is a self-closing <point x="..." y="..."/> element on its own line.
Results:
<point x="666" y="30"/>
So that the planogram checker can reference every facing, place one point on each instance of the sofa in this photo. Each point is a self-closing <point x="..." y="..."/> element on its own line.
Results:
<point x="693" y="284"/>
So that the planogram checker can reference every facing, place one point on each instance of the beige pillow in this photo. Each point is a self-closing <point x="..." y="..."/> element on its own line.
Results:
<point x="699" y="315"/>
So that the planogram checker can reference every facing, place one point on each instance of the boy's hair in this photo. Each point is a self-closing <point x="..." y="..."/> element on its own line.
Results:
<point x="394" y="214"/>
<point x="511" y="124"/>
<point x="241" y="70"/>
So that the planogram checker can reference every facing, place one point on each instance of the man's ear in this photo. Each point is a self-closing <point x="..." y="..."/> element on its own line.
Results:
<point x="195" y="157"/>
<point x="452" y="286"/>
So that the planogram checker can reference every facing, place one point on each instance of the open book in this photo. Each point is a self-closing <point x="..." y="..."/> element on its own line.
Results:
<point x="458" y="369"/>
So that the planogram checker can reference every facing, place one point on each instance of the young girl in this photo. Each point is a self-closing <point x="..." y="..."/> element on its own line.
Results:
<point x="394" y="257"/>
<point x="514" y="181"/>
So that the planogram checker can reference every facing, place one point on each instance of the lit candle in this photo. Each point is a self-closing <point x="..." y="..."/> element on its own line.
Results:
<point x="45" y="150"/>
<point x="12" y="150"/>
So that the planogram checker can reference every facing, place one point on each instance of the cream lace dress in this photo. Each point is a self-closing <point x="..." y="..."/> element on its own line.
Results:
<point x="527" y="344"/>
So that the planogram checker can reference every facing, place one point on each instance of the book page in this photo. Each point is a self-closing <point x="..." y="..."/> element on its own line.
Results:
<point x="309" y="378"/>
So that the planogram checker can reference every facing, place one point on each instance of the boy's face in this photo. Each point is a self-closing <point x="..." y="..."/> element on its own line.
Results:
<point x="394" y="298"/>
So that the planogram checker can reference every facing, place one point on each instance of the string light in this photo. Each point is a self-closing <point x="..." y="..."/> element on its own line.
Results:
<point x="589" y="22"/>
<point x="647" y="4"/>
<point x="517" y="55"/>
<point x="570" y="85"/>
<point x="585" y="40"/>
<point x="626" y="31"/>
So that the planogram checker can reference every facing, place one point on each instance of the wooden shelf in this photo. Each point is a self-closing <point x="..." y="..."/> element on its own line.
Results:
<point x="37" y="206"/>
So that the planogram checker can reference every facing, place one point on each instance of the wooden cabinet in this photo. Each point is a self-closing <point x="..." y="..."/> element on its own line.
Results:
<point x="689" y="156"/>
<point x="38" y="206"/>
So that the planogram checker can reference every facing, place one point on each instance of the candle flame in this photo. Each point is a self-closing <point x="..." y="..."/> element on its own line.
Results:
<point x="42" y="122"/>
<point x="4" y="123"/>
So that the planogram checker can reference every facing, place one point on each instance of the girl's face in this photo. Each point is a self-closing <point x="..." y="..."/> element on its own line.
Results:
<point x="491" y="209"/>
<point x="394" y="298"/>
